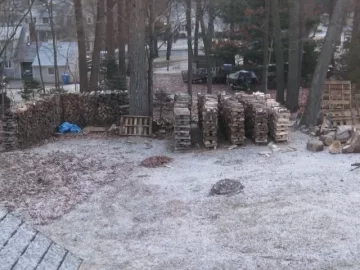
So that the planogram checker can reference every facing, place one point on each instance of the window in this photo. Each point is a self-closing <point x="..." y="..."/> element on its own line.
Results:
<point x="45" y="20"/>
<point x="34" y="20"/>
<point x="8" y="64"/>
<point x="51" y="71"/>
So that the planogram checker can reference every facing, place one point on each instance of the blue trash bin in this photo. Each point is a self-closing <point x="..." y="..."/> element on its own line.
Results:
<point x="66" y="78"/>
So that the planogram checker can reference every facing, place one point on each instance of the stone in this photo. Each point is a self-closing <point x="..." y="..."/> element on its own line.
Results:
<point x="315" y="146"/>
<point x="335" y="147"/>
<point x="226" y="187"/>
<point x="343" y="137"/>
<point x="353" y="146"/>
<point x="328" y="139"/>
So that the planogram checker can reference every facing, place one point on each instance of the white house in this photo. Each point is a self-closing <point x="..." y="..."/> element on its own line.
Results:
<point x="10" y="37"/>
<point x="67" y="62"/>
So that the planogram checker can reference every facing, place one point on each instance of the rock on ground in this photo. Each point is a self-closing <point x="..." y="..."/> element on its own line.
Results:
<point x="315" y="146"/>
<point x="328" y="139"/>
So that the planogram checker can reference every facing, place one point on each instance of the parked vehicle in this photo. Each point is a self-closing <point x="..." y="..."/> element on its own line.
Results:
<point x="242" y="79"/>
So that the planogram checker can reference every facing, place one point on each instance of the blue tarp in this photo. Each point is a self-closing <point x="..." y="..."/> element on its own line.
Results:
<point x="67" y="127"/>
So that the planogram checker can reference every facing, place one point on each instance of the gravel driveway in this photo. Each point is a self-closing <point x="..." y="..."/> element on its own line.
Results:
<point x="298" y="210"/>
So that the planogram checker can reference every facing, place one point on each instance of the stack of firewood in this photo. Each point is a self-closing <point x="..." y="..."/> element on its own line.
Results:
<point x="234" y="117"/>
<point x="100" y="108"/>
<point x="182" y="101"/>
<point x="256" y="116"/>
<point x="279" y="121"/>
<point x="9" y="133"/>
<point x="208" y="119"/>
<point x="182" y="128"/>
<point x="182" y="123"/>
<point x="259" y="123"/>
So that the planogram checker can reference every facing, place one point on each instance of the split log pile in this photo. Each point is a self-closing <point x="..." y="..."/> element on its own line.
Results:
<point x="232" y="116"/>
<point x="279" y="121"/>
<point x="182" y="125"/>
<point x="208" y="119"/>
<point x="9" y="133"/>
<point x="256" y="116"/>
<point x="36" y="121"/>
<point x="95" y="108"/>
<point x="31" y="123"/>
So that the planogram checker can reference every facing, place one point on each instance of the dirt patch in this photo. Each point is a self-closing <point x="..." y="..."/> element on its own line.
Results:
<point x="156" y="161"/>
<point x="46" y="187"/>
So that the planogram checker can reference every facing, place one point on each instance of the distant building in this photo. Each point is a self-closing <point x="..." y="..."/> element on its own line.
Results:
<point x="67" y="62"/>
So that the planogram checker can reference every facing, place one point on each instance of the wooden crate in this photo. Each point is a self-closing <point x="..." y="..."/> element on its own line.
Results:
<point x="136" y="125"/>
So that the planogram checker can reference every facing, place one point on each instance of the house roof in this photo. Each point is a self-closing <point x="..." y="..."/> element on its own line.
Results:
<point x="26" y="52"/>
<point x="66" y="51"/>
<point x="7" y="32"/>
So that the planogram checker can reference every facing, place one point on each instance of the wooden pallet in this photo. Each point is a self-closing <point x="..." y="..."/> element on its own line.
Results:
<point x="136" y="125"/>
<point x="337" y="95"/>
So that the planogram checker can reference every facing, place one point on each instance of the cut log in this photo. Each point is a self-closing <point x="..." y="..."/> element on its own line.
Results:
<point x="335" y="147"/>
<point x="353" y="145"/>
<point x="315" y="146"/>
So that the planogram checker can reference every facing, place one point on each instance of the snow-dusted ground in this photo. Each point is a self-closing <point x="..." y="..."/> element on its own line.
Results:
<point x="299" y="210"/>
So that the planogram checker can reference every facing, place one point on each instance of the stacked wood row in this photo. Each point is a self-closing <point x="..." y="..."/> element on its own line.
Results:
<point x="36" y="121"/>
<point x="182" y="122"/>
<point x="182" y="100"/>
<point x="256" y="116"/>
<point x="279" y="121"/>
<point x="95" y="109"/>
<point x="208" y="119"/>
<point x="9" y="133"/>
<point x="234" y="121"/>
<point x="31" y="123"/>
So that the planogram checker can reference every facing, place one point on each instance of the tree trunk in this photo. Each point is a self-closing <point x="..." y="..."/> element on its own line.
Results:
<point x="139" y="96"/>
<point x="81" y="46"/>
<point x="189" y="43"/>
<point x="99" y="35"/>
<point x="53" y="34"/>
<point x="314" y="100"/>
<point x="207" y="39"/>
<point x="302" y="37"/>
<point x="197" y="26"/>
<point x="34" y="35"/>
<point x="122" y="43"/>
<point x="356" y="25"/>
<point x="152" y="39"/>
<point x="266" y="48"/>
<point x="292" y="97"/>
<point x="155" y="43"/>
<point x="110" y="29"/>
<point x="279" y="53"/>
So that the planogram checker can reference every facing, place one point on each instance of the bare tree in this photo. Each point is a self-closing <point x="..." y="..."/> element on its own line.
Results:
<point x="121" y="41"/>
<point x="279" y="52"/>
<point x="151" y="12"/>
<point x="189" y="44"/>
<point x="34" y="35"/>
<point x="314" y="100"/>
<point x="207" y="35"/>
<point x="197" y="26"/>
<point x="292" y="96"/>
<point x="139" y="96"/>
<point x="266" y="47"/>
<point x="49" y="7"/>
<point x="81" y="46"/>
<point x="99" y="34"/>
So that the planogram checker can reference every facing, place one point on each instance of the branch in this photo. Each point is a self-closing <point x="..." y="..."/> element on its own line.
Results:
<point x="16" y="28"/>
